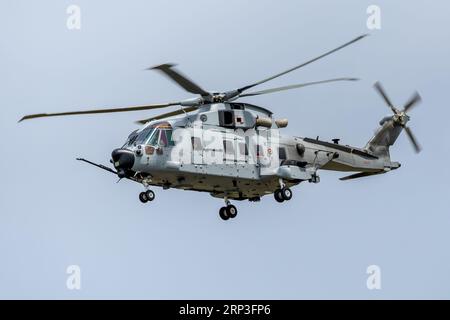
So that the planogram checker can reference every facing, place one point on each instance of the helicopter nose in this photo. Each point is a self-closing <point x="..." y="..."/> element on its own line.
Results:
<point x="123" y="159"/>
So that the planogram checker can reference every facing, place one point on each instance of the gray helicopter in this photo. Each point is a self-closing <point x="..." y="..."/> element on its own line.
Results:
<point x="234" y="150"/>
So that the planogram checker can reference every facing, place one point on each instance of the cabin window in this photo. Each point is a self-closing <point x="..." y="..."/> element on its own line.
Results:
<point x="259" y="151"/>
<point x="196" y="143"/>
<point x="228" y="147"/>
<point x="282" y="154"/>
<point x="243" y="148"/>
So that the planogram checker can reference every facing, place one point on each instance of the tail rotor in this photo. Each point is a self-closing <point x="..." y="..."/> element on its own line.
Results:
<point x="400" y="116"/>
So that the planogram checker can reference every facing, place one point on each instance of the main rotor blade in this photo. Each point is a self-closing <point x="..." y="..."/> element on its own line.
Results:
<point x="295" y="86"/>
<point x="383" y="94"/>
<point x="97" y="111"/>
<point x="303" y="64"/>
<point x="412" y="102"/>
<point x="183" y="81"/>
<point x="413" y="140"/>
<point x="167" y="115"/>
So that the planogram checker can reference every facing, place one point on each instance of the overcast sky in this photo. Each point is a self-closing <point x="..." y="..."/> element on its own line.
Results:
<point x="56" y="212"/>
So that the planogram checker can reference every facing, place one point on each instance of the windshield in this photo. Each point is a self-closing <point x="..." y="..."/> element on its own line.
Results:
<point x="158" y="134"/>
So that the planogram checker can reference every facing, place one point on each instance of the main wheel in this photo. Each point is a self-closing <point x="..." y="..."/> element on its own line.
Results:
<point x="278" y="196"/>
<point x="286" y="193"/>
<point x="223" y="213"/>
<point x="231" y="211"/>
<point x="150" y="195"/>
<point x="143" y="197"/>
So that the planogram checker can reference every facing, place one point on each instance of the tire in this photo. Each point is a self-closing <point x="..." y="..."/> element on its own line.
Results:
<point x="143" y="197"/>
<point x="231" y="211"/>
<point x="286" y="193"/>
<point x="223" y="213"/>
<point x="278" y="196"/>
<point x="150" y="195"/>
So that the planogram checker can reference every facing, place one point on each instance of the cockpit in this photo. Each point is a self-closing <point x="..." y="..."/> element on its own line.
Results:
<point x="157" y="135"/>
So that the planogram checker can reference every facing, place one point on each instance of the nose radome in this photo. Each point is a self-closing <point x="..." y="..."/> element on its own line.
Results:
<point x="122" y="159"/>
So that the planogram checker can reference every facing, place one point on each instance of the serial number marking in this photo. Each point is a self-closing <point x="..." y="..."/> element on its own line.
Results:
<point x="246" y="309"/>
<point x="228" y="309"/>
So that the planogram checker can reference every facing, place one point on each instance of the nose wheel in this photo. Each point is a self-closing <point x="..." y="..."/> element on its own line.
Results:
<point x="146" y="196"/>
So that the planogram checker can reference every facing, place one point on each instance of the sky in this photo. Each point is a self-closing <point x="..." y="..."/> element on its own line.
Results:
<point x="56" y="212"/>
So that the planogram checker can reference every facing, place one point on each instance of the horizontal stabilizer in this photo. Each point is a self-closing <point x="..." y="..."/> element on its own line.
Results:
<point x="360" y="175"/>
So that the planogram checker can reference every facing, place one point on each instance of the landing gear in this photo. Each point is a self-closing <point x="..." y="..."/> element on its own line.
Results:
<point x="278" y="196"/>
<point x="150" y="195"/>
<point x="283" y="194"/>
<point x="223" y="213"/>
<point x="286" y="193"/>
<point x="146" y="196"/>
<point x="228" y="212"/>
<point x="143" y="197"/>
<point x="231" y="211"/>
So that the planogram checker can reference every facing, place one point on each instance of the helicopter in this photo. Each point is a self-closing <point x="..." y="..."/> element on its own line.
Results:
<point x="234" y="150"/>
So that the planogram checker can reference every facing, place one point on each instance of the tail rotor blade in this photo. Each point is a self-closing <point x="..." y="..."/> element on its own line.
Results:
<point x="379" y="88"/>
<point x="413" y="140"/>
<point x="414" y="100"/>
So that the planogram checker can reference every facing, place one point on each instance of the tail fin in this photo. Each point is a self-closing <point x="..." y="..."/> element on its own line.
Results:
<point x="384" y="137"/>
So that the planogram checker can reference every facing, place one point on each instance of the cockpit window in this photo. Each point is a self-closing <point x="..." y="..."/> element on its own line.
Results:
<point x="158" y="134"/>
<point x="145" y="135"/>
<point x="138" y="137"/>
<point x="165" y="138"/>
<point x="131" y="138"/>
<point x="169" y="137"/>
<point x="153" y="141"/>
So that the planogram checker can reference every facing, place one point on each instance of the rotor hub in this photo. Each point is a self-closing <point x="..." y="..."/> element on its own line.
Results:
<point x="401" y="118"/>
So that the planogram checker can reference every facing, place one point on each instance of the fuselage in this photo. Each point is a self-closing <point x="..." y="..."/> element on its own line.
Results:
<point x="235" y="151"/>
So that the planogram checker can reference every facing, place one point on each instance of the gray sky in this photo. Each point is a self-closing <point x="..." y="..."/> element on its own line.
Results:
<point x="56" y="212"/>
